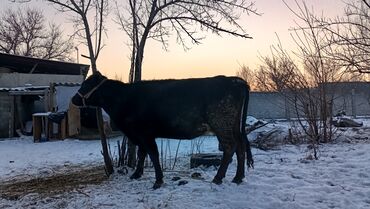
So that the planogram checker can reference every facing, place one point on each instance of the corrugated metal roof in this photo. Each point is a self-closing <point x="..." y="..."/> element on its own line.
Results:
<point x="36" y="88"/>
<point x="22" y="64"/>
<point x="67" y="84"/>
<point x="25" y="88"/>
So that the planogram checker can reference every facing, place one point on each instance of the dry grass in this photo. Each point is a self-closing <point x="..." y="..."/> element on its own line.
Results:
<point x="55" y="184"/>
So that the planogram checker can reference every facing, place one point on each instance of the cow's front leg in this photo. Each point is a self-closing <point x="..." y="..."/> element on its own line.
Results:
<point x="140" y="163"/>
<point x="152" y="150"/>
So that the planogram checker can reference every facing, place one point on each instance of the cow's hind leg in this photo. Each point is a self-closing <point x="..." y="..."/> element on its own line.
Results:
<point x="228" y="145"/>
<point x="140" y="163"/>
<point x="152" y="150"/>
<point x="250" y="161"/>
<point x="240" y="154"/>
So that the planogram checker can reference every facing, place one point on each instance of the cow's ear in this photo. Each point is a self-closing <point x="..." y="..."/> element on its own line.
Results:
<point x="103" y="76"/>
<point x="99" y="75"/>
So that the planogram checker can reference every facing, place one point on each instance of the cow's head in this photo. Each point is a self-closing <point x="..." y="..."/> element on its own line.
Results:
<point x="87" y="95"/>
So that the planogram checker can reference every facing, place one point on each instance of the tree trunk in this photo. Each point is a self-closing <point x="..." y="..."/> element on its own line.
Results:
<point x="138" y="63"/>
<point x="135" y="74"/>
<point x="99" y="117"/>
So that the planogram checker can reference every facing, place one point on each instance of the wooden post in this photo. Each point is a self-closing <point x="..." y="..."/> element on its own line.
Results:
<point x="353" y="103"/>
<point x="63" y="127"/>
<point x="37" y="126"/>
<point x="50" y="101"/>
<point x="131" y="151"/>
<point x="107" y="160"/>
<point x="12" y="116"/>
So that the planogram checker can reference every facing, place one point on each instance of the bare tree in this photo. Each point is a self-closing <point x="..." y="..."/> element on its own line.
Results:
<point x="248" y="75"/>
<point x="264" y="78"/>
<point x="322" y="57"/>
<point x="158" y="19"/>
<point x="348" y="36"/>
<point x="277" y="72"/>
<point x="90" y="28"/>
<point x="280" y="73"/>
<point x="25" y="32"/>
<point x="318" y="71"/>
<point x="301" y="76"/>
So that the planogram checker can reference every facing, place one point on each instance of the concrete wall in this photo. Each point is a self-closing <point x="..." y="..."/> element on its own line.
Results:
<point x="9" y="80"/>
<point x="266" y="105"/>
<point x="351" y="97"/>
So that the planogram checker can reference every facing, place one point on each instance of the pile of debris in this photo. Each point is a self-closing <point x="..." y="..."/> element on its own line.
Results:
<point x="341" y="120"/>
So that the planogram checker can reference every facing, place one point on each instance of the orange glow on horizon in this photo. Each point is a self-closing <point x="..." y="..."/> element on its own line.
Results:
<point x="216" y="56"/>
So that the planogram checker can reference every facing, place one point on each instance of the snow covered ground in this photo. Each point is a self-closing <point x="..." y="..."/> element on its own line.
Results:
<point x="282" y="178"/>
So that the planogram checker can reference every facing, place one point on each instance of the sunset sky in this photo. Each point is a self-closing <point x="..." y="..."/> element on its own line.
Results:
<point x="215" y="56"/>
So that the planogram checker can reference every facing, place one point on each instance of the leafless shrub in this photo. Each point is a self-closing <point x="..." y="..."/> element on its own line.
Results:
<point x="301" y="77"/>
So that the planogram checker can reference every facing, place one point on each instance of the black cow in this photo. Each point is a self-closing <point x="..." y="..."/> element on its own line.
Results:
<point x="178" y="109"/>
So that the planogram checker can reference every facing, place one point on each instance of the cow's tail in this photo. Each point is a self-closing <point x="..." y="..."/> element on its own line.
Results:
<point x="244" y="111"/>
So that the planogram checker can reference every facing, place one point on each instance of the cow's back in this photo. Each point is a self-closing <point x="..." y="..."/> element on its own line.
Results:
<point x="185" y="108"/>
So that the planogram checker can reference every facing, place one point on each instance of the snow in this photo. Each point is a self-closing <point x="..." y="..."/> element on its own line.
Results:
<point x="282" y="178"/>
<point x="23" y="157"/>
<point x="251" y="120"/>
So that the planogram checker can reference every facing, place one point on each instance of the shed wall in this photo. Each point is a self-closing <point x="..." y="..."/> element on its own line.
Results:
<point x="11" y="80"/>
<point x="5" y="113"/>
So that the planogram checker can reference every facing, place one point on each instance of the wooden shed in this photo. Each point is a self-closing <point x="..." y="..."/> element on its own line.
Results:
<point x="26" y="86"/>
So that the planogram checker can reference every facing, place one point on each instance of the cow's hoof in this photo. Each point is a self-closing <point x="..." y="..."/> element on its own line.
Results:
<point x="217" y="181"/>
<point x="135" y="176"/>
<point x="157" y="184"/>
<point x="237" y="180"/>
<point x="250" y="163"/>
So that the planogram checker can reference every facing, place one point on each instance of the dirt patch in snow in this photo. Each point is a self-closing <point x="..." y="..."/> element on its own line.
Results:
<point x="53" y="184"/>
